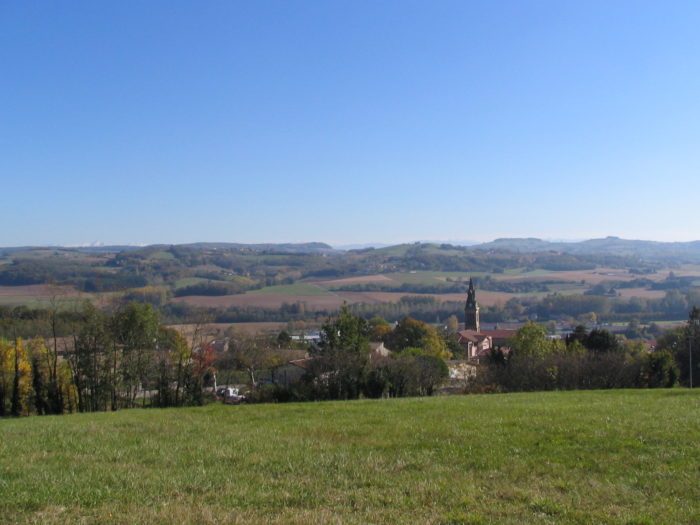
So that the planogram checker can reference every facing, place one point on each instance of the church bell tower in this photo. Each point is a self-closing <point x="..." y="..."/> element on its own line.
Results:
<point x="471" y="310"/>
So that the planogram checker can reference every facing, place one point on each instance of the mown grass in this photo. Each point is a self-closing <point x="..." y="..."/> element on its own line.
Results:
<point x="575" y="457"/>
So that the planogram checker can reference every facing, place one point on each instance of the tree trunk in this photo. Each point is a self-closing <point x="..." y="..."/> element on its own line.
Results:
<point x="15" y="403"/>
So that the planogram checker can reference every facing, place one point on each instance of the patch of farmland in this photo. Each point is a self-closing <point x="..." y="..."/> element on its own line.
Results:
<point x="263" y="300"/>
<point x="485" y="298"/>
<point x="523" y="272"/>
<point x="365" y="279"/>
<point x="189" y="281"/>
<point x="291" y="289"/>
<point x="37" y="290"/>
<point x="39" y="295"/>
<point x="416" y="277"/>
<point x="596" y="276"/>
<point x="642" y="292"/>
<point x="460" y="276"/>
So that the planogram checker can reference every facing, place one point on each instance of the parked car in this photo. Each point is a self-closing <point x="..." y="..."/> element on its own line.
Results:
<point x="230" y="395"/>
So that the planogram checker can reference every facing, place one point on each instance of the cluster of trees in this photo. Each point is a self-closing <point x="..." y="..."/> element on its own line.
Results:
<point x="584" y="360"/>
<point x="211" y="288"/>
<point x="683" y="343"/>
<point x="93" y="360"/>
<point x="107" y="362"/>
<point x="84" y="277"/>
<point x="32" y="379"/>
<point x="343" y="367"/>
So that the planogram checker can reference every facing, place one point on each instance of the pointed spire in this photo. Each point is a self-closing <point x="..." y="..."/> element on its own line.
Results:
<point x="471" y="309"/>
<point x="471" y="294"/>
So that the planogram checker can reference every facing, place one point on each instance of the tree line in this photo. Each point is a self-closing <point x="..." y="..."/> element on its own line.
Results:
<point x="593" y="359"/>
<point x="343" y="365"/>
<point x="95" y="360"/>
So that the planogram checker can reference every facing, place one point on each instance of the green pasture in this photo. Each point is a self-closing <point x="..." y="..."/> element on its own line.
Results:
<point x="16" y="300"/>
<point x="560" y="457"/>
<point x="162" y="255"/>
<point x="189" y="281"/>
<point x="436" y="277"/>
<point x="34" y="301"/>
<point x="292" y="289"/>
<point x="524" y="272"/>
<point x="430" y="277"/>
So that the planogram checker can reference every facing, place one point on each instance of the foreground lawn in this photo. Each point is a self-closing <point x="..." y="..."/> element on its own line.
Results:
<point x="560" y="457"/>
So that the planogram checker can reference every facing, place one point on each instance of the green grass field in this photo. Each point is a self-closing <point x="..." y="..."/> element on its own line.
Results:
<point x="575" y="457"/>
<point x="434" y="277"/>
<point x="425" y="277"/>
<point x="189" y="281"/>
<point x="292" y="289"/>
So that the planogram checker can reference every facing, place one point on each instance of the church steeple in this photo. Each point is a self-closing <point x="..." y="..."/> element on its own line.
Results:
<point x="471" y="309"/>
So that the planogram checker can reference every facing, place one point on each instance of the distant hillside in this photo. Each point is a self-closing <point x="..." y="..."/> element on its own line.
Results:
<point x="652" y="250"/>
<point x="615" y="246"/>
<point x="306" y="247"/>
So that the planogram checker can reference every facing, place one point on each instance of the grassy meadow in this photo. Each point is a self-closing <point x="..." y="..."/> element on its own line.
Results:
<point x="560" y="457"/>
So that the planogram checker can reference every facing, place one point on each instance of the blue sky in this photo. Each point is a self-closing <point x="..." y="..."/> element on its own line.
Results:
<point x="348" y="121"/>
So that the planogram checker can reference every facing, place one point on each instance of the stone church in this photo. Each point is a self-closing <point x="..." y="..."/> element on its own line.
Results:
<point x="477" y="342"/>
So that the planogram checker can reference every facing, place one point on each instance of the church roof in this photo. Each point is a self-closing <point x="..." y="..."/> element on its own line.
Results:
<point x="499" y="334"/>
<point x="473" y="335"/>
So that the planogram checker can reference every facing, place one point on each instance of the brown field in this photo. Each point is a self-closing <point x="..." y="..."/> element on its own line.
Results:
<point x="37" y="290"/>
<point x="365" y="279"/>
<point x="596" y="276"/>
<point x="485" y="298"/>
<point x="641" y="292"/>
<point x="312" y="302"/>
<point x="600" y="275"/>
<point x="330" y="302"/>
<point x="41" y="295"/>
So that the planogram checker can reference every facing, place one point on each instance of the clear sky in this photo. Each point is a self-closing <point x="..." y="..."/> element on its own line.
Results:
<point x="348" y="121"/>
